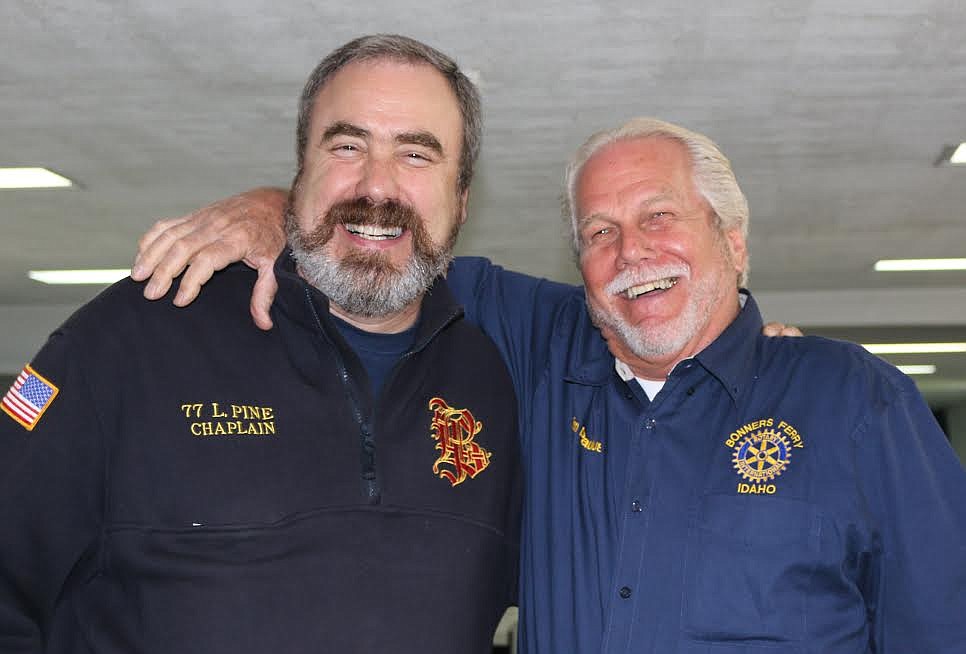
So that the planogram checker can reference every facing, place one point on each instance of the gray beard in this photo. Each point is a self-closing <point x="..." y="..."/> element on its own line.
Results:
<point x="654" y="342"/>
<point x="671" y="337"/>
<point x="370" y="287"/>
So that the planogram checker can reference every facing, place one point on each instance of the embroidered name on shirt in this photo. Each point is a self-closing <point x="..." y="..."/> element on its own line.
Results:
<point x="761" y="453"/>
<point x="215" y="419"/>
<point x="454" y="431"/>
<point x="585" y="442"/>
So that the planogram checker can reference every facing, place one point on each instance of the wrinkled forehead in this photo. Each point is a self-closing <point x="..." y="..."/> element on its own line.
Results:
<point x="399" y="93"/>
<point x="634" y="170"/>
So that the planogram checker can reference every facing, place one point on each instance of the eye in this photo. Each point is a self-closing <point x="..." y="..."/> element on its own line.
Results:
<point x="415" y="158"/>
<point x="598" y="234"/>
<point x="345" y="149"/>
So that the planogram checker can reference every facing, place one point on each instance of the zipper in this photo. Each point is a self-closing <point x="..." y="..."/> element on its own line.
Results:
<point x="367" y="450"/>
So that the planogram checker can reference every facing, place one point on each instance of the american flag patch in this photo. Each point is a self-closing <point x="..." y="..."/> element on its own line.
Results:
<point x="28" y="398"/>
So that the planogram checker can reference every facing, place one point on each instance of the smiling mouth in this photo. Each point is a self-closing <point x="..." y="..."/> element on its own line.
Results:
<point x="374" y="232"/>
<point x="648" y="288"/>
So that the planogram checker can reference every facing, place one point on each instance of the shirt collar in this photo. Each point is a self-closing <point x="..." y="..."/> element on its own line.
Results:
<point x="730" y="357"/>
<point x="623" y="370"/>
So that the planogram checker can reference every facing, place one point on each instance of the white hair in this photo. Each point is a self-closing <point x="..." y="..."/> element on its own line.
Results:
<point x="713" y="176"/>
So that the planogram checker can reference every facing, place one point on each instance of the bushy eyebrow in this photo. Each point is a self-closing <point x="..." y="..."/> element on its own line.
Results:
<point x="420" y="137"/>
<point x="583" y="221"/>
<point x="343" y="128"/>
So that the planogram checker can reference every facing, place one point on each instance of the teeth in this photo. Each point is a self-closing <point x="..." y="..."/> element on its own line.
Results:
<point x="658" y="284"/>
<point x="374" y="232"/>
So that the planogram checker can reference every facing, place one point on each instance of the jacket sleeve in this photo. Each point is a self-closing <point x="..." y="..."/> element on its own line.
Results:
<point x="914" y="487"/>
<point x="51" y="495"/>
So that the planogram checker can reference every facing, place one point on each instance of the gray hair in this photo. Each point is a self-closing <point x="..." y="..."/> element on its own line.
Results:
<point x="713" y="176"/>
<point x="394" y="47"/>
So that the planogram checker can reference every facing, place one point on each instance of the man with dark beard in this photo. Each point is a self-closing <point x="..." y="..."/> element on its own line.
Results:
<point x="180" y="481"/>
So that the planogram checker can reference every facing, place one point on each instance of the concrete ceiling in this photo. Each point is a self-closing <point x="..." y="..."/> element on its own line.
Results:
<point x="833" y="114"/>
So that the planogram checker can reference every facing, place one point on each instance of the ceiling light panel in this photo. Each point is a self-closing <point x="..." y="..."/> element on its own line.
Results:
<point x="907" y="265"/>
<point x="102" y="277"/>
<point x="925" y="369"/>
<point x="958" y="157"/>
<point x="914" y="348"/>
<point x="14" y="178"/>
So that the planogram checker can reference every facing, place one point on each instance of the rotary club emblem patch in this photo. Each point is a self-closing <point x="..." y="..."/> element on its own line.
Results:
<point x="761" y="451"/>
<point x="454" y="431"/>
<point x="762" y="455"/>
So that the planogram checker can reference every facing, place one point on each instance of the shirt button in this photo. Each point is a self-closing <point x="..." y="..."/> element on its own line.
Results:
<point x="636" y="507"/>
<point x="625" y="592"/>
<point x="649" y="423"/>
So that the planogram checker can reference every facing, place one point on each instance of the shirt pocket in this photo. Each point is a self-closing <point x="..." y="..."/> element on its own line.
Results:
<point x="749" y="568"/>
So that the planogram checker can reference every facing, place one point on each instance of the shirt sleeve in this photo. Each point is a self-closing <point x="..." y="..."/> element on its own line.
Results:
<point x="518" y="312"/>
<point x="51" y="493"/>
<point x="915" y="490"/>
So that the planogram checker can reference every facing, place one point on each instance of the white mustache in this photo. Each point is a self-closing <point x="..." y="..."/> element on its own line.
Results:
<point x="643" y="274"/>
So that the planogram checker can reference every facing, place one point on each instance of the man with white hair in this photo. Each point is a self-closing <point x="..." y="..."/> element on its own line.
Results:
<point x="693" y="486"/>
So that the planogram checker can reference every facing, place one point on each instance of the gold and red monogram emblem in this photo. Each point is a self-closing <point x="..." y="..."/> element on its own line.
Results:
<point x="454" y="430"/>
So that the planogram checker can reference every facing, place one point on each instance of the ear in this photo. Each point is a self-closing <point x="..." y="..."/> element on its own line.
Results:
<point x="738" y="248"/>
<point x="463" y="200"/>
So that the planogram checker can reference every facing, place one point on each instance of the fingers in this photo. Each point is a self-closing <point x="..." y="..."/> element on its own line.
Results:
<point x="772" y="329"/>
<point x="156" y="242"/>
<point x="149" y="247"/>
<point x="175" y="249"/>
<point x="168" y="248"/>
<point x="780" y="329"/>
<point x="203" y="265"/>
<point x="163" y="259"/>
<point x="245" y="227"/>
<point x="262" y="296"/>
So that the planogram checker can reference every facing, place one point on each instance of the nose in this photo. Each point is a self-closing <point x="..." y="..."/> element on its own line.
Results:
<point x="634" y="247"/>
<point x="378" y="181"/>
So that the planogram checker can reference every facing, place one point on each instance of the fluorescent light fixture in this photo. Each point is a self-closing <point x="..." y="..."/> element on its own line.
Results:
<point x="926" y="369"/>
<point x="958" y="157"/>
<point x="914" y="348"/>
<point x="906" y="265"/>
<point x="79" y="276"/>
<point x="32" y="178"/>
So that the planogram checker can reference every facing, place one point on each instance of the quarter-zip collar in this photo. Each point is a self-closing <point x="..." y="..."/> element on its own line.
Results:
<point x="438" y="309"/>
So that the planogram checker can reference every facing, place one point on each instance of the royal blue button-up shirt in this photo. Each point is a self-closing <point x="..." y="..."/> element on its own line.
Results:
<point x="777" y="495"/>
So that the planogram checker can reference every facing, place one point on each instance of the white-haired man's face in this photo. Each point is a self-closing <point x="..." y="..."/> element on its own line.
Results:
<point x="660" y="274"/>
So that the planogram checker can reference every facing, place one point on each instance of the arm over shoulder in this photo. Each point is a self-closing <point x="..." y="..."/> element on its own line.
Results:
<point x="517" y="311"/>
